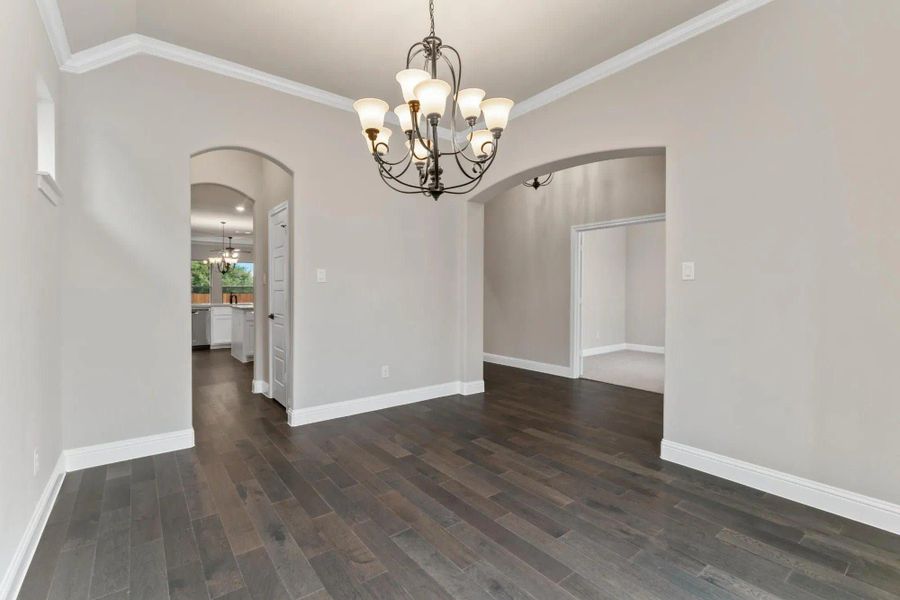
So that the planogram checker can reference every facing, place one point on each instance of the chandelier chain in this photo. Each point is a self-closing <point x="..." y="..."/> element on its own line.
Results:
<point x="431" y="14"/>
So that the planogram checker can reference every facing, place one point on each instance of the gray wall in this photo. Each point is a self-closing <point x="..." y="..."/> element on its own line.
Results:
<point x="645" y="284"/>
<point x="782" y="187"/>
<point x="527" y="250"/>
<point x="604" y="283"/>
<point x="30" y="411"/>
<point x="137" y="123"/>
<point x="623" y="286"/>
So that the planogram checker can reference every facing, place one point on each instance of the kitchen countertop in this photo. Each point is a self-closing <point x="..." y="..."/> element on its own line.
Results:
<point x="241" y="306"/>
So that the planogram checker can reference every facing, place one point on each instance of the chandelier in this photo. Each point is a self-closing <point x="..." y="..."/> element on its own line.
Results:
<point x="538" y="181"/>
<point x="227" y="257"/>
<point x="471" y="150"/>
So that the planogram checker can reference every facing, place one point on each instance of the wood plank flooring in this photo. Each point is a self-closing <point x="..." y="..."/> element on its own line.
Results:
<point x="542" y="488"/>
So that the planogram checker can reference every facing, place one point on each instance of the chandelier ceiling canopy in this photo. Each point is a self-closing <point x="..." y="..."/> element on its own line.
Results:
<point x="421" y="115"/>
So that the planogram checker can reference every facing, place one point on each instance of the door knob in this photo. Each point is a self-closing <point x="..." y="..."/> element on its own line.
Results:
<point x="272" y="316"/>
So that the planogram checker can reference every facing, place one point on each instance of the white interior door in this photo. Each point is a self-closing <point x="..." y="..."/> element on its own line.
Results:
<point x="279" y="292"/>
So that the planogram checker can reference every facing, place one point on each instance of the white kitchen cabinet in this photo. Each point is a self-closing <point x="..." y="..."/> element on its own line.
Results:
<point x="243" y="338"/>
<point x="219" y="326"/>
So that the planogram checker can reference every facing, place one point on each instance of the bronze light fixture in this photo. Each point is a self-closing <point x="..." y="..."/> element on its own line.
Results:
<point x="227" y="258"/>
<point x="425" y="97"/>
<point x="538" y="181"/>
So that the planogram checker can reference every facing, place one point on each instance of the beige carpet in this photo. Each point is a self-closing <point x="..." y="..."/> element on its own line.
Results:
<point x="641" y="370"/>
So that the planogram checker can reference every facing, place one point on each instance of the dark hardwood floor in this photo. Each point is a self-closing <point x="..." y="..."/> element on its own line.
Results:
<point x="543" y="488"/>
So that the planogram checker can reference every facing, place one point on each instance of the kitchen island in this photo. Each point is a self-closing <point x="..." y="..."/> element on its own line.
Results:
<point x="243" y="332"/>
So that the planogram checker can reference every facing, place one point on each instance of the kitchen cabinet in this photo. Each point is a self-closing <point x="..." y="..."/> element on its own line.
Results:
<point x="219" y="326"/>
<point x="243" y="337"/>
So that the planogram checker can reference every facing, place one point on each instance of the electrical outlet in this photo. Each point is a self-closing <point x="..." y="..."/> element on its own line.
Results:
<point x="687" y="271"/>
<point x="37" y="462"/>
<point x="321" y="275"/>
<point x="385" y="371"/>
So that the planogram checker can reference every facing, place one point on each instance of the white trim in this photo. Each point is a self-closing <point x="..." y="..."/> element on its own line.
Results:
<point x="865" y="509"/>
<point x="56" y="30"/>
<point x="135" y="43"/>
<point x="644" y="348"/>
<point x="467" y="388"/>
<point x="596" y="350"/>
<point x="49" y="188"/>
<point x="575" y="245"/>
<point x="112" y="452"/>
<point x="314" y="414"/>
<point x="12" y="580"/>
<point x="530" y="365"/>
<point x="723" y="13"/>
<point x="260" y="387"/>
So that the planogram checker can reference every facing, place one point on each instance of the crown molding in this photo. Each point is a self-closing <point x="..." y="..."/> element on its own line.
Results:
<point x="723" y="13"/>
<point x="56" y="31"/>
<point x="137" y="44"/>
<point x="134" y="44"/>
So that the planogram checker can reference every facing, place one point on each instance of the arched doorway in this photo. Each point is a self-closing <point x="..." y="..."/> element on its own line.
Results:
<point x="250" y="308"/>
<point x="563" y="358"/>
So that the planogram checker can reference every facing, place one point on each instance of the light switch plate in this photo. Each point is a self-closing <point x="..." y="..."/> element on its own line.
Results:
<point x="321" y="276"/>
<point x="687" y="271"/>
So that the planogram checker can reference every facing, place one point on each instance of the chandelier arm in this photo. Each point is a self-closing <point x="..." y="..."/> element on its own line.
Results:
<point x="387" y="181"/>
<point x="387" y="174"/>
<point x="454" y="92"/>
<point x="456" y="76"/>
<point x="378" y="156"/>
<point x="462" y="168"/>
<point x="381" y="165"/>
<point x="414" y="50"/>
<point x="485" y="166"/>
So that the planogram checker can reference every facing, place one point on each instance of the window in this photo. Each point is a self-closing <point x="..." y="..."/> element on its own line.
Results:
<point x="199" y="282"/>
<point x="238" y="281"/>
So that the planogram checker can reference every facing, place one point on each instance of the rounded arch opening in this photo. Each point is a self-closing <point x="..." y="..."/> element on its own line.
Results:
<point x="267" y="185"/>
<point x="561" y="359"/>
<point x="498" y="187"/>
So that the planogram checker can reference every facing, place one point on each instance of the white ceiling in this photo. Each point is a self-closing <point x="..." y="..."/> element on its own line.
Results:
<point x="512" y="48"/>
<point x="211" y="204"/>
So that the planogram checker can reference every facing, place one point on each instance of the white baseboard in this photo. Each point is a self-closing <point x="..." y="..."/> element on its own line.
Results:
<point x="620" y="347"/>
<point x="260" y="387"/>
<point x="530" y="365"/>
<point x="347" y="408"/>
<point x="467" y="388"/>
<point x="643" y="348"/>
<point x="112" y="452"/>
<point x="865" y="509"/>
<point x="21" y="559"/>
<point x="603" y="349"/>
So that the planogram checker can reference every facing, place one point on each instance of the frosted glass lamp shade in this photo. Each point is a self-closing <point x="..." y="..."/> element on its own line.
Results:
<point x="405" y="115"/>
<point x="420" y="153"/>
<point x="469" y="102"/>
<point x="384" y="134"/>
<point x="371" y="112"/>
<point x="482" y="143"/>
<point x="432" y="96"/>
<point x="496" y="112"/>
<point x="409" y="79"/>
